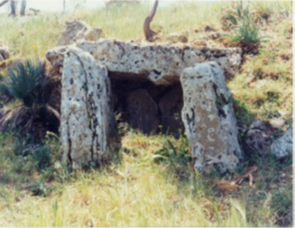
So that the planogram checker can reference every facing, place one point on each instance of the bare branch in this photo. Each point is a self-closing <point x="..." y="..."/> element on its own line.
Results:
<point x="35" y="10"/>
<point x="148" y="33"/>
<point x="3" y="2"/>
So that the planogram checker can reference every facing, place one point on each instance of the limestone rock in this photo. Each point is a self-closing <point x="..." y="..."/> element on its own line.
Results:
<point x="78" y="31"/>
<point x="175" y="37"/>
<point x="277" y="123"/>
<point x="170" y="105"/>
<point x="160" y="63"/>
<point x="85" y="109"/>
<point x="4" y="52"/>
<point x="142" y="111"/>
<point x="209" y="119"/>
<point x="283" y="146"/>
<point x="258" y="138"/>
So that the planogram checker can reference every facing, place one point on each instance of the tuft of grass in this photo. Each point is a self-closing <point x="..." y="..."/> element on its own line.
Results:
<point x="245" y="33"/>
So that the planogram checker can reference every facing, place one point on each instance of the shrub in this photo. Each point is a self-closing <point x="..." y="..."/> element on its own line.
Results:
<point x="35" y="98"/>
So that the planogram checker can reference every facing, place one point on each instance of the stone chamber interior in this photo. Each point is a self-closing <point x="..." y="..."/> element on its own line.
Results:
<point x="145" y="106"/>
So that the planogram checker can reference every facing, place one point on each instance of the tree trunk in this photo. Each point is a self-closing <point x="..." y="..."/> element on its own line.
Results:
<point x="64" y="5"/>
<point x="13" y="7"/>
<point x="23" y="8"/>
<point x="3" y="2"/>
<point x="148" y="33"/>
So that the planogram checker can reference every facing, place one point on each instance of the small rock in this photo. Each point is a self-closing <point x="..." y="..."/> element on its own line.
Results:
<point x="277" y="123"/>
<point x="211" y="36"/>
<point x="78" y="31"/>
<point x="174" y="38"/>
<point x="258" y="138"/>
<point x="4" y="52"/>
<point x="283" y="146"/>
<point x="209" y="29"/>
<point x="199" y="43"/>
<point x="286" y="14"/>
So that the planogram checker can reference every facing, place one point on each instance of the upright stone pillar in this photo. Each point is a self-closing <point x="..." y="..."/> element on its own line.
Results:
<point x="85" y="109"/>
<point x="209" y="119"/>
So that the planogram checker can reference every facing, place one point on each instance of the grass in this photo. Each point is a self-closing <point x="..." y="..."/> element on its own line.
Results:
<point x="138" y="189"/>
<point x="134" y="192"/>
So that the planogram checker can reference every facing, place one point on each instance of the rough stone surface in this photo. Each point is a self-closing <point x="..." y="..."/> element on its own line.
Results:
<point x="209" y="119"/>
<point x="160" y="63"/>
<point x="258" y="138"/>
<point x="170" y="105"/>
<point x="142" y="111"/>
<point x="207" y="113"/>
<point x="85" y="109"/>
<point x="283" y="146"/>
<point x="78" y="31"/>
<point x="4" y="52"/>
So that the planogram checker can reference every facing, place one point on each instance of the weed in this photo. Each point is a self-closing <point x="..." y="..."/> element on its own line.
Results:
<point x="244" y="116"/>
<point x="245" y="34"/>
<point x="42" y="157"/>
<point x="39" y="189"/>
<point x="282" y="204"/>
<point x="178" y="159"/>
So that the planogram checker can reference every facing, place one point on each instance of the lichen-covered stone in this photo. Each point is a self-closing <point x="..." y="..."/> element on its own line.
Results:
<point x="85" y="109"/>
<point x="4" y="52"/>
<point x="283" y="146"/>
<point x="209" y="119"/>
<point x="160" y="63"/>
<point x="208" y="115"/>
<point x="78" y="31"/>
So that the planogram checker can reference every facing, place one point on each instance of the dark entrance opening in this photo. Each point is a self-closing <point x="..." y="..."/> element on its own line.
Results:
<point x="147" y="107"/>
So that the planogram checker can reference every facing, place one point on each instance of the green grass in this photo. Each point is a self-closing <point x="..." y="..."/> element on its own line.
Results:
<point x="135" y="192"/>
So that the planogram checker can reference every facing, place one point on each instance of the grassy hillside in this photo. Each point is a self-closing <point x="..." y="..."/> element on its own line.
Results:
<point x="140" y="188"/>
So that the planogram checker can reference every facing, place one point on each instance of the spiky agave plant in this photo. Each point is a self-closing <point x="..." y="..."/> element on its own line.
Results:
<point x="36" y="98"/>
